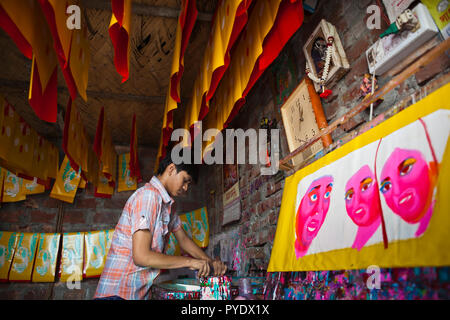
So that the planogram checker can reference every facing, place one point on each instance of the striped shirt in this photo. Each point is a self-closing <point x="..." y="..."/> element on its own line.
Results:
<point x="148" y="208"/>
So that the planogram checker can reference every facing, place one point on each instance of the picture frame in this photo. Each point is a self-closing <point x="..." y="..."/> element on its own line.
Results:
<point x="315" y="51"/>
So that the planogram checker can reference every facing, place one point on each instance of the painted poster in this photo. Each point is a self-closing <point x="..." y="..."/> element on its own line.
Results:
<point x="71" y="268"/>
<point x="8" y="241"/>
<point x="96" y="251"/>
<point x="126" y="182"/>
<point x="231" y="197"/>
<point x="195" y="223"/>
<point x="46" y="257"/>
<point x="22" y="265"/>
<point x="381" y="199"/>
<point x="284" y="74"/>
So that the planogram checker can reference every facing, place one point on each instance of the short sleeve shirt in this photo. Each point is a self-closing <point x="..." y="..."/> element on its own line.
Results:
<point x="148" y="208"/>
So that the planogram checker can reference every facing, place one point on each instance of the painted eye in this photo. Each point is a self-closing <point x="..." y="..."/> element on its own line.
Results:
<point x="406" y="166"/>
<point x="313" y="197"/>
<point x="385" y="186"/>
<point x="349" y="195"/>
<point x="366" y="184"/>
<point x="327" y="195"/>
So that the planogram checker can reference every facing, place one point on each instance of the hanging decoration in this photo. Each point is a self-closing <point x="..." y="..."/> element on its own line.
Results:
<point x="119" y="31"/>
<point x="126" y="182"/>
<point x="13" y="188"/>
<point x="107" y="156"/>
<point x="46" y="257"/>
<point x="71" y="268"/>
<point x="25" y="23"/>
<point x="97" y="245"/>
<point x="66" y="183"/>
<point x="269" y="27"/>
<point x="22" y="264"/>
<point x="349" y="211"/>
<point x="135" y="170"/>
<point x="75" y="142"/>
<point x="8" y="241"/>
<point x="55" y="14"/>
<point x="326" y="61"/>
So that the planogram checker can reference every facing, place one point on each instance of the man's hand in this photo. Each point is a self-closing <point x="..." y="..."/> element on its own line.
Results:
<point x="219" y="267"/>
<point x="202" y="266"/>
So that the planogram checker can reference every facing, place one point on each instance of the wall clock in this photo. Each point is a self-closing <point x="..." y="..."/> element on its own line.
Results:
<point x="303" y="118"/>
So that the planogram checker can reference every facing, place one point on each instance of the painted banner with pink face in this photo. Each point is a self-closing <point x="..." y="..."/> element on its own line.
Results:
<point x="374" y="200"/>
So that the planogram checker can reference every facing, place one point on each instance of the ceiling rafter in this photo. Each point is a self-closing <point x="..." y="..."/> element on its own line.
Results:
<point x="145" y="10"/>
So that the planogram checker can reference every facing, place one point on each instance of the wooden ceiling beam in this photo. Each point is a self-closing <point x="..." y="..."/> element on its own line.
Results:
<point x="145" y="10"/>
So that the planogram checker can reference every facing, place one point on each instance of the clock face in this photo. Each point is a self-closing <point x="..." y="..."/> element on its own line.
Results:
<point x="300" y="123"/>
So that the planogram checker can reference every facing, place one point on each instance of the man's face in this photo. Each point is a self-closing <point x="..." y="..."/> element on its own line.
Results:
<point x="179" y="183"/>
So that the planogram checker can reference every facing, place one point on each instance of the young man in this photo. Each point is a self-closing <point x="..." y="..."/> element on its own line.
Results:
<point x="137" y="254"/>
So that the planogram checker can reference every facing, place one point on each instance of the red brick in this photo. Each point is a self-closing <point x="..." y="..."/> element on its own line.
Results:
<point x="106" y="217"/>
<point x="51" y="203"/>
<point x="38" y="216"/>
<point x="351" y="95"/>
<point x="115" y="203"/>
<point x="357" y="71"/>
<point x="357" y="49"/>
<point x="74" y="216"/>
<point x="10" y="216"/>
<point x="89" y="203"/>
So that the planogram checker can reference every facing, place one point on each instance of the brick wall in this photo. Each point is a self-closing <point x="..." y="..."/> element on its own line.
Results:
<point x="251" y="238"/>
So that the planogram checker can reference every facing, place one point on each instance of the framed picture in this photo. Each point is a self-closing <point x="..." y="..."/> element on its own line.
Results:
<point x="284" y="76"/>
<point x="303" y="117"/>
<point x="315" y="50"/>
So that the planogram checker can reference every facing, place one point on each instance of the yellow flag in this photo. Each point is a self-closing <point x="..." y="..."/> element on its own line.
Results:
<point x="13" y="188"/>
<point x="126" y="182"/>
<point x="66" y="183"/>
<point x="46" y="257"/>
<point x="32" y="187"/>
<point x="72" y="257"/>
<point x="8" y="241"/>
<point x="96" y="251"/>
<point x="22" y="265"/>
<point x="80" y="58"/>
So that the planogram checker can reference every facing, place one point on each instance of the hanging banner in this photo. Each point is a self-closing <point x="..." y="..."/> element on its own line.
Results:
<point x="46" y="257"/>
<point x="135" y="170"/>
<point x="126" y="182"/>
<point x="96" y="251"/>
<point x="173" y="248"/>
<point x="380" y="199"/>
<point x="119" y="32"/>
<point x="71" y="268"/>
<point x="22" y="265"/>
<point x="25" y="22"/>
<point x="13" y="189"/>
<point x="8" y="241"/>
<point x="8" y="130"/>
<point x="66" y="184"/>
<point x="32" y="187"/>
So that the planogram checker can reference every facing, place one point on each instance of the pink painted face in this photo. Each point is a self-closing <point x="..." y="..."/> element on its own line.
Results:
<point x="362" y="198"/>
<point x="312" y="211"/>
<point x="405" y="184"/>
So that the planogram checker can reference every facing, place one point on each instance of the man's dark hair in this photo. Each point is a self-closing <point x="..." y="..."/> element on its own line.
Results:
<point x="190" y="168"/>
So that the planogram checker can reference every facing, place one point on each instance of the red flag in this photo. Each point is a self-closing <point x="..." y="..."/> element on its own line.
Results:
<point x="135" y="170"/>
<point x="25" y="23"/>
<point x="55" y="14"/>
<point x="289" y="18"/>
<point x="119" y="32"/>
